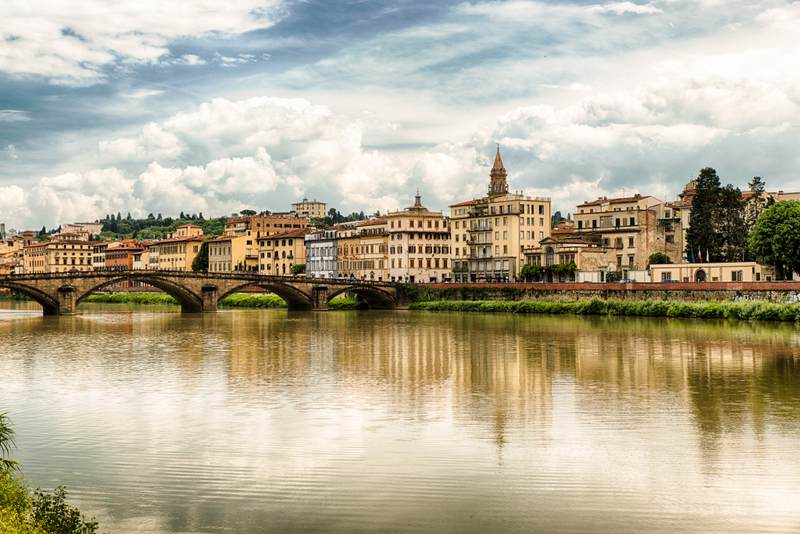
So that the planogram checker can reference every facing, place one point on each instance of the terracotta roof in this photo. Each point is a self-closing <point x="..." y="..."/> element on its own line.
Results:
<point x="297" y="232"/>
<point x="177" y="240"/>
<point x="498" y="161"/>
<point x="618" y="200"/>
<point x="372" y="222"/>
<point x="465" y="203"/>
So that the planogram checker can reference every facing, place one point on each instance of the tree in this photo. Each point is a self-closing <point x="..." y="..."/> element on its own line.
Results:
<point x="181" y="216"/>
<point x="775" y="238"/>
<point x="6" y="444"/>
<point x="658" y="258"/>
<point x="200" y="262"/>
<point x="730" y="225"/>
<point x="43" y="232"/>
<point x="702" y="241"/>
<point x="299" y="268"/>
<point x="757" y="202"/>
<point x="247" y="213"/>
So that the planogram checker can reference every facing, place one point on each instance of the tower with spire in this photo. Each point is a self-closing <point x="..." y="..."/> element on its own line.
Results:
<point x="498" y="185"/>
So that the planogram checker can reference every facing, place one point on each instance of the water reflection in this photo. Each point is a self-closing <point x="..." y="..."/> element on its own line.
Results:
<point x="398" y="421"/>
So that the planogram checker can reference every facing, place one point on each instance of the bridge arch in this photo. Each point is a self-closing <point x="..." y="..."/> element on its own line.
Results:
<point x="190" y="301"/>
<point x="375" y="297"/>
<point x="49" y="304"/>
<point x="295" y="298"/>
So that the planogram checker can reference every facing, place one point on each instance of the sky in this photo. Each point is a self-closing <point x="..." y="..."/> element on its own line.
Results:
<point x="216" y="106"/>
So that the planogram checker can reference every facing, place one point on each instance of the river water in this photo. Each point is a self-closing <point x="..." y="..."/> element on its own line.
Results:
<point x="276" y="421"/>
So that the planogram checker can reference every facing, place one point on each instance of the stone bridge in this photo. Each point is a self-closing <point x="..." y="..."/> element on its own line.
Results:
<point x="60" y="293"/>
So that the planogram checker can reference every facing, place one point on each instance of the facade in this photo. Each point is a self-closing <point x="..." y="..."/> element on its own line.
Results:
<point x="278" y="253"/>
<point x="233" y="253"/>
<point x="588" y="258"/>
<point x="418" y="244"/>
<point x="119" y="255"/>
<point x="488" y="236"/>
<point x="85" y="229"/>
<point x="746" y="271"/>
<point x="58" y="257"/>
<point x="311" y="209"/>
<point x="177" y="252"/>
<point x="347" y="247"/>
<point x="263" y="225"/>
<point x="321" y="254"/>
<point x="631" y="229"/>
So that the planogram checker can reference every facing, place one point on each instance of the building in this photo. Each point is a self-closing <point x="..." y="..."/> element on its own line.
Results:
<point x="631" y="229"/>
<point x="177" y="252"/>
<point x="58" y="256"/>
<point x="418" y="244"/>
<point x="279" y="253"/>
<point x="347" y="247"/>
<point x="746" y="271"/>
<point x="119" y="255"/>
<point x="321" y="254"/>
<point x="555" y="255"/>
<point x="263" y="225"/>
<point x="312" y="209"/>
<point x="84" y="230"/>
<point x="233" y="253"/>
<point x="488" y="236"/>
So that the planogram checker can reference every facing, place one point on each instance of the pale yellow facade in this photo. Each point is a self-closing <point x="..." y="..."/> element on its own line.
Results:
<point x="233" y="253"/>
<point x="178" y="251"/>
<point x="279" y="253"/>
<point x="312" y="209"/>
<point x="709" y="272"/>
<point x="418" y="245"/>
<point x="58" y="257"/>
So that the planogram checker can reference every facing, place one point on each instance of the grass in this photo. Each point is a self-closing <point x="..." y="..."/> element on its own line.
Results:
<point x="746" y="311"/>
<point x="236" y="300"/>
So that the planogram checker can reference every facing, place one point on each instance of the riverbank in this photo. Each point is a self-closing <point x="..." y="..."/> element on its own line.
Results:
<point x="237" y="300"/>
<point x="747" y="311"/>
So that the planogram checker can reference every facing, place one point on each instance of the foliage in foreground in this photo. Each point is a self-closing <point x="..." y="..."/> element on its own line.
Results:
<point x="748" y="311"/>
<point x="40" y="512"/>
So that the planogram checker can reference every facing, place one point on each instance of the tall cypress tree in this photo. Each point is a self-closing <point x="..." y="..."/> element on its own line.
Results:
<point x="731" y="225"/>
<point x="701" y="238"/>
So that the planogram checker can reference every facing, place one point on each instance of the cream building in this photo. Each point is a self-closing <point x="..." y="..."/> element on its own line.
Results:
<point x="419" y="244"/>
<point x="263" y="225"/>
<point x="62" y="256"/>
<point x="278" y="253"/>
<point x="588" y="258"/>
<point x="488" y="236"/>
<point x="347" y="249"/>
<point x="631" y="229"/>
<point x="177" y="252"/>
<point x="747" y="271"/>
<point x="312" y="209"/>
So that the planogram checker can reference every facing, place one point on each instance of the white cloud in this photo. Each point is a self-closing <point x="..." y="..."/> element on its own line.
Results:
<point x="71" y="42"/>
<point x="13" y="115"/>
<point x="11" y="152"/>
<point x="623" y="8"/>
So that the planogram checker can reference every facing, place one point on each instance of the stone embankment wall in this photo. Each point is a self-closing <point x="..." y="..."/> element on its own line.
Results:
<point x="685" y="291"/>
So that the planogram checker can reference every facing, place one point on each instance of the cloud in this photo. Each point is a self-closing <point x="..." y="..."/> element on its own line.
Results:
<point x="11" y="152"/>
<point x="623" y="8"/>
<point x="73" y="42"/>
<point x="13" y="115"/>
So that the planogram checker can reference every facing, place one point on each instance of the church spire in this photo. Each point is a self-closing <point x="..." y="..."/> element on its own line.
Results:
<point x="498" y="184"/>
<point x="417" y="200"/>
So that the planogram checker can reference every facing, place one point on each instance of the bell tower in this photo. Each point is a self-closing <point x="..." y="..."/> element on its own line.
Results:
<point x="498" y="184"/>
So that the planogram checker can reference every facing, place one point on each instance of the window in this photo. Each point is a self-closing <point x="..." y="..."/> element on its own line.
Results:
<point x="630" y="242"/>
<point x="737" y="276"/>
<point x="580" y="225"/>
<point x="632" y="221"/>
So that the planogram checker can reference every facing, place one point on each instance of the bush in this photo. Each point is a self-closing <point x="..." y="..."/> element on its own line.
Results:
<point x="55" y="515"/>
<point x="761" y="311"/>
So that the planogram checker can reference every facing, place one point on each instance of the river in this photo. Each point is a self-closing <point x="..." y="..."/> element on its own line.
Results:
<point x="275" y="421"/>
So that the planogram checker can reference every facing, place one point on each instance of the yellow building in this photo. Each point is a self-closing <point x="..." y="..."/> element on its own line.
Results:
<point x="419" y="244"/>
<point x="488" y="236"/>
<point x="61" y="256"/>
<point x="278" y="253"/>
<point x="347" y="248"/>
<point x="233" y="253"/>
<point x="177" y="252"/>
<point x="373" y="250"/>
<point x="313" y="209"/>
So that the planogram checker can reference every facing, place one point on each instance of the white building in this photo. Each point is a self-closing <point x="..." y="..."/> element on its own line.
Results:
<point x="321" y="252"/>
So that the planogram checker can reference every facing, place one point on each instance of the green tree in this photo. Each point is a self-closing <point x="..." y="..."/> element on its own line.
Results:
<point x="757" y="202"/>
<point x="702" y="240"/>
<point x="200" y="262"/>
<point x="6" y="444"/>
<point x="775" y="238"/>
<point x="55" y="515"/>
<point x="658" y="258"/>
<point x="730" y="225"/>
<point x="299" y="268"/>
<point x="247" y="213"/>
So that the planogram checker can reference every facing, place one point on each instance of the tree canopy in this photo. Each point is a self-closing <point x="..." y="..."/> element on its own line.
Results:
<point x="717" y="229"/>
<point x="775" y="237"/>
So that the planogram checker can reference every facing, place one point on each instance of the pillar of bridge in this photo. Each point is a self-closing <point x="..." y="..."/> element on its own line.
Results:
<point x="66" y="301"/>
<point x="319" y="298"/>
<point x="210" y="296"/>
